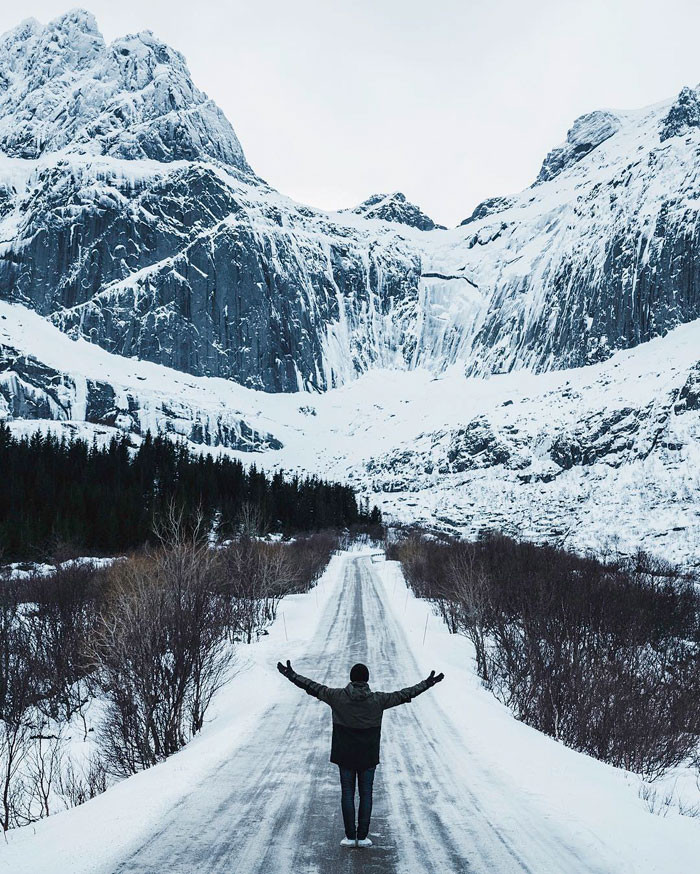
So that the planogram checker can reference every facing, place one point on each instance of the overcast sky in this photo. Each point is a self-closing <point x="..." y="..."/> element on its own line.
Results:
<point x="449" y="101"/>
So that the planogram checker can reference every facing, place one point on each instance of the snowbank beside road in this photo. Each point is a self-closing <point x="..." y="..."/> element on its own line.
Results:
<point x="598" y="805"/>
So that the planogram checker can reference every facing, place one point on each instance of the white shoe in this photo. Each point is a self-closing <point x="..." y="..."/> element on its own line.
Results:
<point x="348" y="842"/>
<point x="365" y="842"/>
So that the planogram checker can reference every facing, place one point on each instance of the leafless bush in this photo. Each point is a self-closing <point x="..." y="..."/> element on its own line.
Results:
<point x="252" y="522"/>
<point x="254" y="575"/>
<point x="160" y="649"/>
<point x="309" y="556"/>
<point x="657" y="802"/>
<point x="44" y="623"/>
<point x="604" y="656"/>
<point x="76" y="786"/>
<point x="62" y="609"/>
<point x="18" y="695"/>
<point x="41" y="774"/>
<point x="685" y="808"/>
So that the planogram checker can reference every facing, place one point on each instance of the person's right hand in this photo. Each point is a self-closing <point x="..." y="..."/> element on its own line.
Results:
<point x="433" y="679"/>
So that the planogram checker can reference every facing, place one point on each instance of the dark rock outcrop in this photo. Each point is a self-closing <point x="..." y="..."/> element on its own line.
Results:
<point x="683" y="115"/>
<point x="587" y="132"/>
<point x="689" y="396"/>
<point x="395" y="208"/>
<point x="489" y="207"/>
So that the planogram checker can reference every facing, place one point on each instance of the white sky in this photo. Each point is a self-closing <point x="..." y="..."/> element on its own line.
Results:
<point x="449" y="101"/>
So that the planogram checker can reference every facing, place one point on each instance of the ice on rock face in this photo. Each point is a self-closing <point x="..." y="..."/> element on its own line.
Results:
<point x="587" y="132"/>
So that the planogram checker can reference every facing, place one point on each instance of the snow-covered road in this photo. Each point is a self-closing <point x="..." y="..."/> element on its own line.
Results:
<point x="462" y="787"/>
<point x="275" y="806"/>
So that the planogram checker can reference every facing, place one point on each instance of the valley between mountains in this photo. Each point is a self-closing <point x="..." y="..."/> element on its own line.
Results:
<point x="534" y="370"/>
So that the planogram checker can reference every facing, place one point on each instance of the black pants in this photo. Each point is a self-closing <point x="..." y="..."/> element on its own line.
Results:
<point x="365" y="781"/>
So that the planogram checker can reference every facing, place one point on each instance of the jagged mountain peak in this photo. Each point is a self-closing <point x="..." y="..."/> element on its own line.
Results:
<point x="683" y="114"/>
<point x="36" y="52"/>
<point x="395" y="207"/>
<point x="586" y="133"/>
<point x="63" y="87"/>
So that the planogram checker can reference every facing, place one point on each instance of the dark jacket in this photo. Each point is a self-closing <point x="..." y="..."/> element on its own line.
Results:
<point x="357" y="718"/>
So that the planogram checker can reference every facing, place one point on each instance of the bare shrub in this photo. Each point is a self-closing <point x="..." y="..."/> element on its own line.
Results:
<point x="42" y="773"/>
<point x="658" y="803"/>
<point x="309" y="556"/>
<point x="160" y="649"/>
<point x="254" y="575"/>
<point x="76" y="786"/>
<point x="604" y="656"/>
<point x="62" y="609"/>
<point x="18" y="696"/>
<point x="252" y="521"/>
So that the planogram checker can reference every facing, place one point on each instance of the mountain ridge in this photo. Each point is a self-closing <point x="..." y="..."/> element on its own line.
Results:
<point x="219" y="311"/>
<point x="130" y="216"/>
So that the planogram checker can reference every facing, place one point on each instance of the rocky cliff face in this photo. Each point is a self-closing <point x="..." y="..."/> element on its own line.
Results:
<point x="189" y="266"/>
<point x="57" y="386"/>
<point x="601" y="254"/>
<point x="129" y="216"/>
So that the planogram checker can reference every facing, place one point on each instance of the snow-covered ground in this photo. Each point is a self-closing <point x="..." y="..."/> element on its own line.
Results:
<point x="22" y="570"/>
<point x="492" y="794"/>
<point x="605" y="456"/>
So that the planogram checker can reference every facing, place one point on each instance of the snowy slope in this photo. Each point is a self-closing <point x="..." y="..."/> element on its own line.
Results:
<point x="241" y="797"/>
<point x="605" y="456"/>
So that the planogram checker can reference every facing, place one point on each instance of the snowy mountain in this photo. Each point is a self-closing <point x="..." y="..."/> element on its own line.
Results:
<point x="130" y="218"/>
<point x="61" y="88"/>
<point x="395" y="208"/>
<point x="597" y="457"/>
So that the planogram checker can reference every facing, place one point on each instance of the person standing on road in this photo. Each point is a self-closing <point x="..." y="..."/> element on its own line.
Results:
<point x="357" y="726"/>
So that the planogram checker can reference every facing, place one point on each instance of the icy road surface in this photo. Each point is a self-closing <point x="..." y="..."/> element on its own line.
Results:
<point x="274" y="807"/>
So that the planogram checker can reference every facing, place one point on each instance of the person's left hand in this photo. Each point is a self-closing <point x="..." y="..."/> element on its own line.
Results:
<point x="285" y="670"/>
<point x="432" y="679"/>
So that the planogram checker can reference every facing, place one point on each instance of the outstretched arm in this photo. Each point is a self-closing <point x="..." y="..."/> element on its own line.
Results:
<point x="311" y="687"/>
<point x="403" y="696"/>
